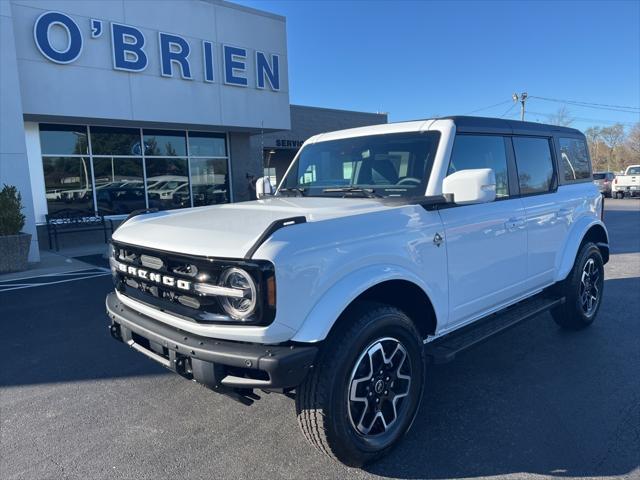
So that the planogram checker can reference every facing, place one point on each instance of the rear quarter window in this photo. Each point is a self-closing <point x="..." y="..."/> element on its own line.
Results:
<point x="574" y="160"/>
<point x="535" y="165"/>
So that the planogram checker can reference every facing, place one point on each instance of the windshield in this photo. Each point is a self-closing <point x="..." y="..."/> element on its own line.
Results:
<point x="389" y="165"/>
<point x="599" y="176"/>
<point x="633" y="171"/>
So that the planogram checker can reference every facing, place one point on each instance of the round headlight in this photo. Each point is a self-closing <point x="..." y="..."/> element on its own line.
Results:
<point x="239" y="307"/>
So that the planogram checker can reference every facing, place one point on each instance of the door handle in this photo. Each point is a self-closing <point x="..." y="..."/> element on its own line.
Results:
<point x="515" y="223"/>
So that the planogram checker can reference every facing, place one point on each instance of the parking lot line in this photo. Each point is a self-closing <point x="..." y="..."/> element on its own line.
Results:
<point x="52" y="279"/>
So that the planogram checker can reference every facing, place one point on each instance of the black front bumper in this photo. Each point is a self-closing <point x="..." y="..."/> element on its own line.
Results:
<point x="218" y="364"/>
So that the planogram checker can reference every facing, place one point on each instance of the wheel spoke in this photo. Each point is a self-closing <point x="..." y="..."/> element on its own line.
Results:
<point x="379" y="381"/>
<point x="589" y="290"/>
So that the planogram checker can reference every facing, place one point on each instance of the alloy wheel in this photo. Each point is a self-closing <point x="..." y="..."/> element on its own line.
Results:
<point x="378" y="385"/>
<point x="590" y="287"/>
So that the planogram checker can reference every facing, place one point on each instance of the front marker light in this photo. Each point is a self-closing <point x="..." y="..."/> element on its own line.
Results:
<point x="239" y="308"/>
<point x="112" y="258"/>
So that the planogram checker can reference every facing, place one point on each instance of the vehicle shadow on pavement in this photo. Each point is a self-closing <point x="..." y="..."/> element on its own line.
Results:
<point x="624" y="228"/>
<point x="535" y="400"/>
<point x="59" y="333"/>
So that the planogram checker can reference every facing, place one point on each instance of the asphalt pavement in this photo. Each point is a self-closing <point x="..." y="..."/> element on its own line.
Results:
<point x="535" y="402"/>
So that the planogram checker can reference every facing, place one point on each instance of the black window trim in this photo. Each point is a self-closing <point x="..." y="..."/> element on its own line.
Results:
<point x="556" y="144"/>
<point x="554" y="164"/>
<point x="514" y="188"/>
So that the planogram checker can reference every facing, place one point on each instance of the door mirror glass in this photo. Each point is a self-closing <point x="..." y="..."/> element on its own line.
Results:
<point x="471" y="186"/>
<point x="263" y="187"/>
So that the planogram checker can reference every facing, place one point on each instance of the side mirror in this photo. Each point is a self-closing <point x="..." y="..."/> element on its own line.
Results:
<point x="263" y="187"/>
<point x="471" y="186"/>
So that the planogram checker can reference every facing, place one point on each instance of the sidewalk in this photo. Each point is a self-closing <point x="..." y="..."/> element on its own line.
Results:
<point x="52" y="262"/>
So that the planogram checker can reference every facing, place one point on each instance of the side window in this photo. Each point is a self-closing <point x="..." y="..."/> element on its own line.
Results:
<point x="535" y="164"/>
<point x="574" y="159"/>
<point x="481" y="151"/>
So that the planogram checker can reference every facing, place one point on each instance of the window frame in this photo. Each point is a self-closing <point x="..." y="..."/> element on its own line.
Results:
<point x="513" y="185"/>
<point x="558" y="151"/>
<point x="554" y="164"/>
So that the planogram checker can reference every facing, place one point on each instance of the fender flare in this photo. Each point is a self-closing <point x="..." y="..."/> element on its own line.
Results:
<point x="326" y="311"/>
<point x="574" y="239"/>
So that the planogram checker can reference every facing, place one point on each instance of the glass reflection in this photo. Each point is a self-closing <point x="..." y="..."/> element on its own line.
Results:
<point x="168" y="183"/>
<point x="119" y="185"/>
<point x="203" y="144"/>
<point x="164" y="143"/>
<point x="209" y="181"/>
<point x="67" y="183"/>
<point x="115" y="141"/>
<point x="63" y="140"/>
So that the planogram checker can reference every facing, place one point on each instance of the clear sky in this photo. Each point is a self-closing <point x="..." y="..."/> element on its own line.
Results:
<point x="416" y="59"/>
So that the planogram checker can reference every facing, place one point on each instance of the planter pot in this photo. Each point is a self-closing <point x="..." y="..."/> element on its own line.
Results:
<point x="14" y="252"/>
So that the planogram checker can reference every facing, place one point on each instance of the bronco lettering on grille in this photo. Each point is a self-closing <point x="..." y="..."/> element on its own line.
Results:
<point x="154" y="277"/>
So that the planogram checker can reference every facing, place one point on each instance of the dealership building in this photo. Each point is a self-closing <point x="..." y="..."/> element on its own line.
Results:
<point x="109" y="106"/>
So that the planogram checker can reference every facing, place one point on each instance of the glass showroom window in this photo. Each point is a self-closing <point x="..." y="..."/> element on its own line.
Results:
<point x="168" y="183"/>
<point x="167" y="175"/>
<point x="119" y="184"/>
<point x="114" y="171"/>
<point x="117" y="170"/>
<point x="162" y="143"/>
<point x="115" y="141"/>
<point x="67" y="168"/>
<point x="209" y="168"/>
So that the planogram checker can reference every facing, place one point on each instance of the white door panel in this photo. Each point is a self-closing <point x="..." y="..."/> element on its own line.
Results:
<point x="548" y="219"/>
<point x="487" y="256"/>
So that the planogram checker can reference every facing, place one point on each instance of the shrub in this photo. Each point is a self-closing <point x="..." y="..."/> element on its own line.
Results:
<point x="11" y="217"/>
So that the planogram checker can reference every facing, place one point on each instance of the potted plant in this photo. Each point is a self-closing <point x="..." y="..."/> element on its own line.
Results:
<point x="14" y="245"/>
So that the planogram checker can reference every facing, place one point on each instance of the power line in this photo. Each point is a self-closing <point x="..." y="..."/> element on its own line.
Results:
<point x="585" y="103"/>
<point x="583" y="119"/>
<point x="508" y="110"/>
<point x="487" y="108"/>
<point x="597" y="106"/>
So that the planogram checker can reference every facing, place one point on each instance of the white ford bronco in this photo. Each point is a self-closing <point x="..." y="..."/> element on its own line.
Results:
<point x="383" y="249"/>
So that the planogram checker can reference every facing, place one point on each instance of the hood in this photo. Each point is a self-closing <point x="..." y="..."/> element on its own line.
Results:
<point x="231" y="229"/>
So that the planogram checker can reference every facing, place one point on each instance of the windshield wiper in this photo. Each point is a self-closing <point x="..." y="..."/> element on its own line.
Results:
<point x="366" y="192"/>
<point x="296" y="191"/>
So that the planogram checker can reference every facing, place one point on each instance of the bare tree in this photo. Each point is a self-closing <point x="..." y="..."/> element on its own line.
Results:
<point x="633" y="139"/>
<point x="562" y="117"/>
<point x="613" y="137"/>
<point x="593" y="142"/>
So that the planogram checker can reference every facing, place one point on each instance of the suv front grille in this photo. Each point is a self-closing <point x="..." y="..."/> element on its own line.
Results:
<point x="166" y="280"/>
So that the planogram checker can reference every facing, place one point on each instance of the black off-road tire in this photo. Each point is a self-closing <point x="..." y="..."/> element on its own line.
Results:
<point x="323" y="404"/>
<point x="572" y="315"/>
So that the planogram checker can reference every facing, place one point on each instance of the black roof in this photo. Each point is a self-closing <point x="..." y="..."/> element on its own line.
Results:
<point x="502" y="125"/>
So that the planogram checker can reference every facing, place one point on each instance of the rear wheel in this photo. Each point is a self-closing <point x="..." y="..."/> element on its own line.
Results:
<point x="364" y="392"/>
<point x="583" y="289"/>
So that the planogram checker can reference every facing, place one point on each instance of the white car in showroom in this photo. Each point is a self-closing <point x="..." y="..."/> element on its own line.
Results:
<point x="384" y="248"/>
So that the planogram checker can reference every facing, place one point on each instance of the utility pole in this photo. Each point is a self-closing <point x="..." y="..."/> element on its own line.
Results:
<point x="523" y="98"/>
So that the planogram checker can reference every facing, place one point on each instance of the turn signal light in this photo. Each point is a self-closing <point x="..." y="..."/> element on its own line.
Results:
<point x="271" y="291"/>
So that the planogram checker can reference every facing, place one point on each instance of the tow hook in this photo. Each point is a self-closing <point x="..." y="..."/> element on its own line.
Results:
<point x="114" y="330"/>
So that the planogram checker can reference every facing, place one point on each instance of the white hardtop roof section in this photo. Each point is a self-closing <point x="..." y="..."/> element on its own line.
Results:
<point x="381" y="129"/>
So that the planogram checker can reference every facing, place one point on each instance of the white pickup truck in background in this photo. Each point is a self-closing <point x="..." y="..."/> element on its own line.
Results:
<point x="627" y="184"/>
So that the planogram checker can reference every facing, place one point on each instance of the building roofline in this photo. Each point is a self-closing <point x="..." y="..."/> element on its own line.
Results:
<point x="339" y="110"/>
<point x="225" y="3"/>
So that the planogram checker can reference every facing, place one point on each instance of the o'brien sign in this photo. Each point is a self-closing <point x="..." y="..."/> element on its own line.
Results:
<point x="129" y="50"/>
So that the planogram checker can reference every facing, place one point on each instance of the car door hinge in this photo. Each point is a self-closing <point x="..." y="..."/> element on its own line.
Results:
<point x="437" y="239"/>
